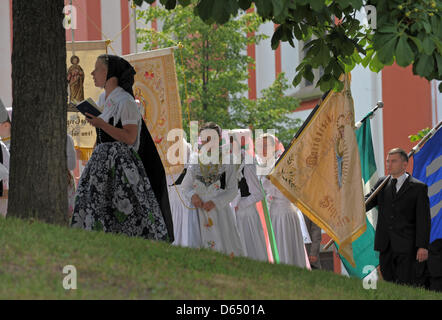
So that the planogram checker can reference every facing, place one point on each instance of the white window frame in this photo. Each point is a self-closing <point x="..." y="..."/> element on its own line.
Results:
<point x="303" y="91"/>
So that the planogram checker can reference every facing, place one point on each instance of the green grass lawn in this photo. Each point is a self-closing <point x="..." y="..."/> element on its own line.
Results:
<point x="33" y="254"/>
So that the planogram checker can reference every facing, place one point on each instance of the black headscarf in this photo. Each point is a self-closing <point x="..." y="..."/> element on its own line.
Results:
<point x="122" y="70"/>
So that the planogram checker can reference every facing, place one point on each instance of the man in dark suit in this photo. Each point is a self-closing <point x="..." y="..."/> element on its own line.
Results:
<point x="403" y="227"/>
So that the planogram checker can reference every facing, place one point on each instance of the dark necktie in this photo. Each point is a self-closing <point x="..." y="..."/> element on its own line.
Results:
<point x="393" y="186"/>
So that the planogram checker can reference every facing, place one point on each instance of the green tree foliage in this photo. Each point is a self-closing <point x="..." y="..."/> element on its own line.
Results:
<point x="419" y="136"/>
<point x="270" y="111"/>
<point x="407" y="32"/>
<point x="213" y="69"/>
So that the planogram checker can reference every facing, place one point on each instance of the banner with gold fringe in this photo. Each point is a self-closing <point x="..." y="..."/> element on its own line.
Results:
<point x="320" y="172"/>
<point x="156" y="89"/>
<point x="82" y="132"/>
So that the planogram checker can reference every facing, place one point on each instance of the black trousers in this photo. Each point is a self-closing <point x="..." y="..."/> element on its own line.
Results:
<point x="403" y="269"/>
<point x="435" y="264"/>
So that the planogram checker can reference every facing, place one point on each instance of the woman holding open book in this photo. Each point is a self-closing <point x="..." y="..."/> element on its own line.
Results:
<point x="123" y="186"/>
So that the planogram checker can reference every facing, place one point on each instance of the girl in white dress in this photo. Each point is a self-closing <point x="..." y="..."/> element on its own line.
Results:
<point x="185" y="220"/>
<point x="247" y="216"/>
<point x="249" y="193"/>
<point x="211" y="187"/>
<point x="285" y="220"/>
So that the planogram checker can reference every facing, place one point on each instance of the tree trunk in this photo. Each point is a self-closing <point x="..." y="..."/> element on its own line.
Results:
<point x="38" y="169"/>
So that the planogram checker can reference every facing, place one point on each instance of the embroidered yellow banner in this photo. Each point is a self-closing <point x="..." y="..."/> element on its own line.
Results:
<point x="156" y="88"/>
<point x="81" y="131"/>
<point x="321" y="171"/>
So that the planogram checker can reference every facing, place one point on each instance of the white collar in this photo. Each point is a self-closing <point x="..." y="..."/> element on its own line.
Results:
<point x="400" y="180"/>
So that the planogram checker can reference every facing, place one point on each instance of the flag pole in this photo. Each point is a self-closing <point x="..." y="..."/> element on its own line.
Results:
<point x="414" y="150"/>
<point x="417" y="147"/>
<point x="379" y="104"/>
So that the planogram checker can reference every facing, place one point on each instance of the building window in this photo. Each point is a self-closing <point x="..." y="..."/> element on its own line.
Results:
<point x="306" y="89"/>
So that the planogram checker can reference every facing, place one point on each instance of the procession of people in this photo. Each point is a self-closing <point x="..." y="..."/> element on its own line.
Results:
<point x="125" y="189"/>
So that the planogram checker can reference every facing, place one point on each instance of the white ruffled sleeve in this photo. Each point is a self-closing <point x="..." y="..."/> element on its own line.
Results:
<point x="187" y="183"/>
<point x="129" y="113"/>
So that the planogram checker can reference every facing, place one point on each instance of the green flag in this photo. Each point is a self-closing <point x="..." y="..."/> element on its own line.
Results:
<point x="366" y="258"/>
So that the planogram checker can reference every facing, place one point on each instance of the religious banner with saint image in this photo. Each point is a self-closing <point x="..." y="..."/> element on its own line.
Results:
<point x="321" y="172"/>
<point x="156" y="89"/>
<point x="80" y="60"/>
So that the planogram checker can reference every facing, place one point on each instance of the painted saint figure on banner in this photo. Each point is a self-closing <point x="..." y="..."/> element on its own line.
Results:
<point x="340" y="148"/>
<point x="75" y="79"/>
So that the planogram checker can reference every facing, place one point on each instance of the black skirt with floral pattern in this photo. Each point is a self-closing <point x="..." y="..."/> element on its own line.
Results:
<point x="115" y="195"/>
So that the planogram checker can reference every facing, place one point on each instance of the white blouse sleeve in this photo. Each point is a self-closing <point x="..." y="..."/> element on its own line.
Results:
<point x="5" y="166"/>
<point x="71" y="155"/>
<point x="254" y="187"/>
<point x="187" y="183"/>
<point x="129" y="113"/>
<point x="6" y="155"/>
<point x="4" y="173"/>
<point x="268" y="189"/>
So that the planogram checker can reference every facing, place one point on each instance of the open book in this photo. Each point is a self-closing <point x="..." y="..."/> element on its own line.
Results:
<point x="88" y="106"/>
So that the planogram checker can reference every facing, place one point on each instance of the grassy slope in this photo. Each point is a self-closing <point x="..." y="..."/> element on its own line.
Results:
<point x="33" y="254"/>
